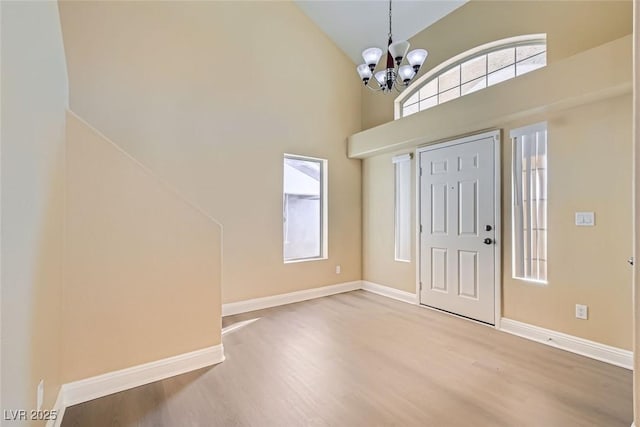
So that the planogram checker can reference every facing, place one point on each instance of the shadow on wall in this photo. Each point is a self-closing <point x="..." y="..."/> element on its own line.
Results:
<point x="44" y="325"/>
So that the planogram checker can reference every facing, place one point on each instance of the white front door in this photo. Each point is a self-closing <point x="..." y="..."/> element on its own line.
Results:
<point x="458" y="226"/>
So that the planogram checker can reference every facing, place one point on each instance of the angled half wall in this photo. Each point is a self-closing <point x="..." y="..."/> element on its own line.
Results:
<point x="143" y="265"/>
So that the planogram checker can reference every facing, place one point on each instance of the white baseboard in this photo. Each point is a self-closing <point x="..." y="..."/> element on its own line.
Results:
<point x="232" y="308"/>
<point x="602" y="352"/>
<point x="59" y="409"/>
<point x="389" y="292"/>
<point x="238" y="325"/>
<point x="113" y="382"/>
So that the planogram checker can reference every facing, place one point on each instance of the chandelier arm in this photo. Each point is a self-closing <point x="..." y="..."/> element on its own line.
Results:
<point x="400" y="84"/>
<point x="370" y="86"/>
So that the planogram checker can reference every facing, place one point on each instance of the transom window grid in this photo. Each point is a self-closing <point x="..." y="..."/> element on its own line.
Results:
<point x="478" y="72"/>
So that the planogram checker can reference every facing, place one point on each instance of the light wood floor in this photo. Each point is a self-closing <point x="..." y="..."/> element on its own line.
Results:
<point x="358" y="359"/>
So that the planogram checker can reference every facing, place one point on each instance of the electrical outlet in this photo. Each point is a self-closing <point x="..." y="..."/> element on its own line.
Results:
<point x="40" y="395"/>
<point x="582" y="311"/>
<point x="585" y="219"/>
<point x="338" y="269"/>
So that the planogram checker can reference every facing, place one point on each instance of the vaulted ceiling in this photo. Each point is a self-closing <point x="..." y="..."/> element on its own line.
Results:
<point x="357" y="24"/>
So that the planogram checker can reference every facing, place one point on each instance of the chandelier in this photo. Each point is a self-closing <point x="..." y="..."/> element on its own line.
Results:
<point x="393" y="76"/>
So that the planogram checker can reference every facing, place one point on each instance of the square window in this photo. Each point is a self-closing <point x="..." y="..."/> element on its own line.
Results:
<point x="500" y="59"/>
<point x="501" y="75"/>
<point x="428" y="103"/>
<point x="449" y="95"/>
<point x="408" y="110"/>
<point x="527" y="51"/>
<point x="532" y="63"/>
<point x="449" y="79"/>
<point x="474" y="85"/>
<point x="429" y="90"/>
<point x="474" y="68"/>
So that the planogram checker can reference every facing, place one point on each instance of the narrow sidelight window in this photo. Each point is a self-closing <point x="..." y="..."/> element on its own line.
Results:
<point x="402" y="165"/>
<point x="529" y="210"/>
<point x="304" y="208"/>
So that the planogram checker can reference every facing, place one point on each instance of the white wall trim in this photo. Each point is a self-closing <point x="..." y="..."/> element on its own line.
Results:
<point x="390" y="292"/>
<point x="113" y="382"/>
<point x="602" y="352"/>
<point x="245" y="306"/>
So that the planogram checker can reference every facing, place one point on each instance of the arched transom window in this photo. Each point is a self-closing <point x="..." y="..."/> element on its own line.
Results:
<point x="473" y="70"/>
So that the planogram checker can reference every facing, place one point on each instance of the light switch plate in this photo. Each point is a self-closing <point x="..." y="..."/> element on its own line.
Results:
<point x="585" y="219"/>
<point x="582" y="311"/>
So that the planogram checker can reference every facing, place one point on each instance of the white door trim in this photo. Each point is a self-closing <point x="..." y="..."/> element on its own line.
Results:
<point x="497" y="248"/>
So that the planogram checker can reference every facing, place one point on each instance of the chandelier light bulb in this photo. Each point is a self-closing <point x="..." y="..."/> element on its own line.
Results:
<point x="416" y="58"/>
<point x="371" y="56"/>
<point x="398" y="50"/>
<point x="406" y="73"/>
<point x="365" y="72"/>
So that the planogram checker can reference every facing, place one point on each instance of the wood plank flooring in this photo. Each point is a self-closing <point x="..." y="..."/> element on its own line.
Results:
<point x="358" y="359"/>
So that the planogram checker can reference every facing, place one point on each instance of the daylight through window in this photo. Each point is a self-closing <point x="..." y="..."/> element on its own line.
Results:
<point x="304" y="208"/>
<point x="478" y="69"/>
<point x="402" y="166"/>
<point x="529" y="207"/>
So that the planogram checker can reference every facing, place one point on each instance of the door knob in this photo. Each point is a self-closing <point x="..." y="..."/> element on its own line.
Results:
<point x="488" y="241"/>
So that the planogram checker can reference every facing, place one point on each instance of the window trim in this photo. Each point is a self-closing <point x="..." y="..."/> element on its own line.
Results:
<point x="324" y="221"/>
<point x="513" y="135"/>
<point x="450" y="63"/>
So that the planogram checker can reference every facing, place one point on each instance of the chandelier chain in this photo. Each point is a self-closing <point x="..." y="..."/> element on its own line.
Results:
<point x="389" y="18"/>
<point x="394" y="76"/>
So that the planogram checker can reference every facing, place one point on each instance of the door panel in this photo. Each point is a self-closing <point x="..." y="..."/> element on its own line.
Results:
<point x="439" y="209"/>
<point x="457" y="266"/>
<point x="439" y="269"/>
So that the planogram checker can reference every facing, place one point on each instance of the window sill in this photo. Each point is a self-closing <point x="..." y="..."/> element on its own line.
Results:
<point x="532" y="281"/>
<point x="296" y="261"/>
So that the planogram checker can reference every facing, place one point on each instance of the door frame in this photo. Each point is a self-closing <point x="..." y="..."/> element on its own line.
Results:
<point x="497" y="199"/>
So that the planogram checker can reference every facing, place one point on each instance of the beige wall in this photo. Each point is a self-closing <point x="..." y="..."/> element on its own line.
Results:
<point x="571" y="27"/>
<point x="34" y="98"/>
<point x="378" y="224"/>
<point x="636" y="211"/>
<point x="589" y="170"/>
<point x="587" y="265"/>
<point x="143" y="266"/>
<point x="210" y="95"/>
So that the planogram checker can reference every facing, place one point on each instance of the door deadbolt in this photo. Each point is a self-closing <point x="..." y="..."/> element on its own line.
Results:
<point x="488" y="228"/>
